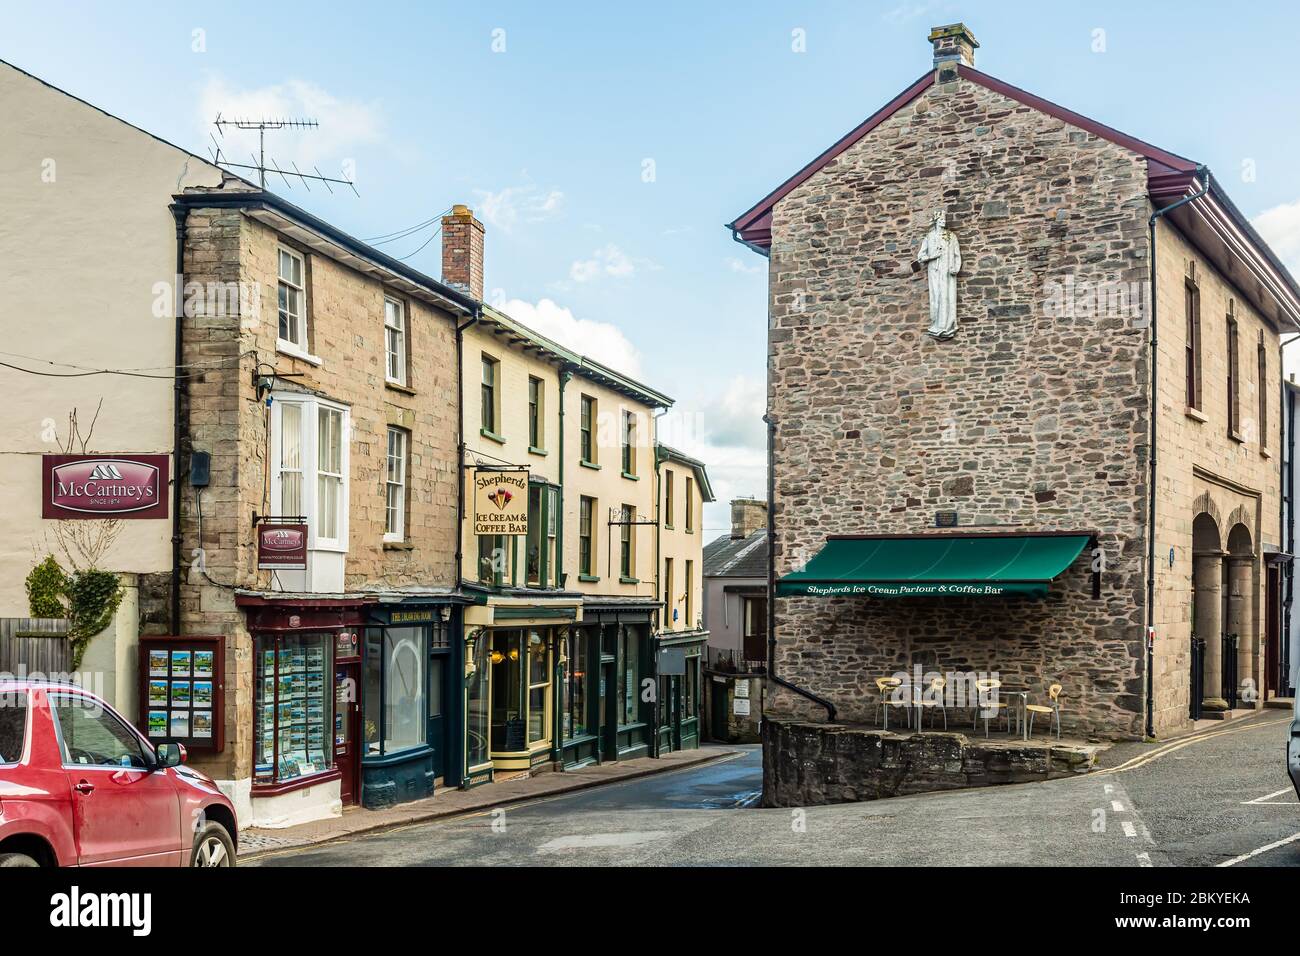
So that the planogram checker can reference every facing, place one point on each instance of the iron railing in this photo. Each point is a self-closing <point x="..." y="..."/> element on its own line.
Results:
<point x="1198" y="677"/>
<point x="1229" y="662"/>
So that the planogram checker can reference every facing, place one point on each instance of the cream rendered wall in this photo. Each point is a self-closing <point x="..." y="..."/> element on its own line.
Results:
<point x="607" y="485"/>
<point x="516" y="366"/>
<point x="85" y="237"/>
<point x="681" y="545"/>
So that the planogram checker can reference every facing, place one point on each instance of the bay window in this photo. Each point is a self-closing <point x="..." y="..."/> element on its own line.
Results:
<point x="309" y="459"/>
<point x="292" y="706"/>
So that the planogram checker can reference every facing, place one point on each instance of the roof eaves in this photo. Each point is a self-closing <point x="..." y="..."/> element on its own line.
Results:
<point x="668" y="453"/>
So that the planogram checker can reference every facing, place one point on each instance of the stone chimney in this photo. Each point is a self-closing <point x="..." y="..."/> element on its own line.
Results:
<point x="462" y="251"/>
<point x="953" y="44"/>
<point x="747" y="516"/>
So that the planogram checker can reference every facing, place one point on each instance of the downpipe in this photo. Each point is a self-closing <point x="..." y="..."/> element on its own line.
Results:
<point x="180" y="215"/>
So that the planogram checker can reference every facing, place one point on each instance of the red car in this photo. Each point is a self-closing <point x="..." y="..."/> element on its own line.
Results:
<point x="79" y="786"/>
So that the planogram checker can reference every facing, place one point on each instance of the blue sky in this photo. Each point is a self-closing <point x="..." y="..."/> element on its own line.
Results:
<point x="546" y="118"/>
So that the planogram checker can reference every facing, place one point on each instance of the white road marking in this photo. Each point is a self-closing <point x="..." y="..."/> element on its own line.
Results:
<point x="1144" y="859"/>
<point x="1117" y="806"/>
<point x="1267" y="799"/>
<point x="584" y="841"/>
<point x="1129" y="829"/>
<point x="1264" y="849"/>
<point x="1109" y="788"/>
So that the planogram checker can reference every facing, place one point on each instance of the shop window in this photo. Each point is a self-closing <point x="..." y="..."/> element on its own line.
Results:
<point x="691" y="688"/>
<point x="628" y="683"/>
<point x="477" y="715"/>
<point x="575" y="686"/>
<point x="436" y="665"/>
<point x="292" y="711"/>
<point x="539" y="687"/>
<point x="395" y="341"/>
<point x="310" y="460"/>
<point x="394" y="689"/>
<point x="509" y="731"/>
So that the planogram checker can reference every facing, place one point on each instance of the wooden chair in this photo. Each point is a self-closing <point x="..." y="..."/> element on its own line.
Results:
<point x="1054" y="708"/>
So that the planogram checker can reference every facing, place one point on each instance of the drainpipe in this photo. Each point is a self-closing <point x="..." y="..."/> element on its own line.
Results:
<point x="460" y="443"/>
<point x="179" y="214"/>
<point x="1204" y="174"/>
<point x="565" y="375"/>
<point x="1289" y="466"/>
<point x="771" y="580"/>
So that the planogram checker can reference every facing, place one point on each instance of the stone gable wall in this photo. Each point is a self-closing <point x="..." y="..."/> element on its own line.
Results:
<point x="1032" y="417"/>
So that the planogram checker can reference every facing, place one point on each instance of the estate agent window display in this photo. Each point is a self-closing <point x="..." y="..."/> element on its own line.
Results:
<point x="293" y="706"/>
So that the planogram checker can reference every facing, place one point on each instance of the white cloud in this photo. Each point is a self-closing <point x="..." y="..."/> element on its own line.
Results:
<point x="909" y="10"/>
<point x="508" y="207"/>
<point x="345" y="124"/>
<point x="739" y="265"/>
<point x="609" y="260"/>
<point x="1280" y="227"/>
<point x="601" y="341"/>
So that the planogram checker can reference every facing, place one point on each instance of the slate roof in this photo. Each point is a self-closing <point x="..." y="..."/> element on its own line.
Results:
<point x="728" y="557"/>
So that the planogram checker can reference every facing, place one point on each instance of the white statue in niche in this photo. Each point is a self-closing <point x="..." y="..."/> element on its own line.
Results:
<point x="941" y="257"/>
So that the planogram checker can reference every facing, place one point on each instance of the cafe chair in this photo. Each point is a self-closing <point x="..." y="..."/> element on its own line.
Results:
<point x="934" y="700"/>
<point x="886" y="686"/>
<point x="1053" y="708"/>
<point x="986" y="707"/>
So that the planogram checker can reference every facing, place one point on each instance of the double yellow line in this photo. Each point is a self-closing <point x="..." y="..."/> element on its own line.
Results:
<point x="1143" y="759"/>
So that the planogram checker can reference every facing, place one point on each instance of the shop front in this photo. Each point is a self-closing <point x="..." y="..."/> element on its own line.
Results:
<point x="410" y="701"/>
<point x="606" y="713"/>
<point x="512" y="648"/>
<point x="679" y="657"/>
<point x="306" y="707"/>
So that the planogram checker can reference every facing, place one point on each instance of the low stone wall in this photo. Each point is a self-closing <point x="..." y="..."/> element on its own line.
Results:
<point x="809" y="764"/>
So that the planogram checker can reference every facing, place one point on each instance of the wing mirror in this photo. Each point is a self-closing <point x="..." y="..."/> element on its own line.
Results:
<point x="170" y="755"/>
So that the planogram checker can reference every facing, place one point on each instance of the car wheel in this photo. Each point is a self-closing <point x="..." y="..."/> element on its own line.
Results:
<point x="213" y="847"/>
<point x="16" y="859"/>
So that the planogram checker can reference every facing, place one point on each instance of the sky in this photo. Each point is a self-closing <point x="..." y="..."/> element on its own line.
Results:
<point x="605" y="145"/>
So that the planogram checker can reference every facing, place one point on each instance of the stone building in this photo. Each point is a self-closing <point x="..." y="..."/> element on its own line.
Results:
<point x="980" y="499"/>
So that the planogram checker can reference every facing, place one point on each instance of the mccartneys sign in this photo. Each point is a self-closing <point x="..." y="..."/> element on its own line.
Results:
<point x="500" y="502"/>
<point x="104" y="486"/>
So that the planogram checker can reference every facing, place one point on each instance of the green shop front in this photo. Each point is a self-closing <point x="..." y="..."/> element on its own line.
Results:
<point x="679" y="656"/>
<point x="408" y="672"/>
<point x="607" y="711"/>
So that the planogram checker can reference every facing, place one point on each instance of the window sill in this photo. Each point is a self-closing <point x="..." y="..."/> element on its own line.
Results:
<point x="588" y="578"/>
<point x="623" y="580"/>
<point x="329" y="546"/>
<point x="398" y="546"/>
<point x="398" y="387"/>
<point x="291" y="350"/>
<point x="534" y="450"/>
<point x="668" y="527"/>
<point x="1195" y="413"/>
<point x="488" y="433"/>
<point x="631" y="477"/>
<point x="589" y="464"/>
<point x="1237" y="438"/>
<point x="298" y="783"/>
<point x="1264" y="452"/>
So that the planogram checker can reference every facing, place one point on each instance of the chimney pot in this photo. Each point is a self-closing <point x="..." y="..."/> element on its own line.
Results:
<point x="462" y="251"/>
<point x="953" y="44"/>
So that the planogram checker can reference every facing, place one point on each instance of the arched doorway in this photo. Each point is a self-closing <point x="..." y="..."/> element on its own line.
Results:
<point x="1239" y="612"/>
<point x="1208" y="612"/>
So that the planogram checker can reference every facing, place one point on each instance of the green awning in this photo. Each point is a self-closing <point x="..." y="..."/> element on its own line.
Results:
<point x="936" y="565"/>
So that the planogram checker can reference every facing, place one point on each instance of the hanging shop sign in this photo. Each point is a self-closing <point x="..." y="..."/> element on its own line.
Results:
<point x="104" y="486"/>
<point x="501" y="502"/>
<point x="282" y="547"/>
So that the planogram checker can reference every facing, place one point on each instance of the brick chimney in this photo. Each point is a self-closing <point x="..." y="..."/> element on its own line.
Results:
<point x="953" y="44"/>
<point x="462" y="251"/>
<point x="747" y="516"/>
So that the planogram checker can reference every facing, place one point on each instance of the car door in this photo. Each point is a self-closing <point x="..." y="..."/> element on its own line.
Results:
<point x="123" y="812"/>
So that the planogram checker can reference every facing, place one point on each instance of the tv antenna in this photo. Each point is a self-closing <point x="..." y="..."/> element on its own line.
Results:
<point x="259" y="161"/>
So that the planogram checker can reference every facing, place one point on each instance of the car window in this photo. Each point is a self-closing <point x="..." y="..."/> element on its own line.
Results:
<point x="13" y="726"/>
<point x="91" y="736"/>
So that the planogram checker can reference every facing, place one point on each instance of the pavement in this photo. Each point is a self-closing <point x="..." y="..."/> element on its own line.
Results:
<point x="1216" y="798"/>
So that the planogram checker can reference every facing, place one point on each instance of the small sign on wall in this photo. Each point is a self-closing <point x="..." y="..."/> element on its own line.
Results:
<point x="742" y="688"/>
<point x="740" y="706"/>
<point x="282" y="547"/>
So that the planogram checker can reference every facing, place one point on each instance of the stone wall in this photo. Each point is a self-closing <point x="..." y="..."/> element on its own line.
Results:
<point x="814" y="764"/>
<point x="226" y="419"/>
<point x="1032" y="417"/>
